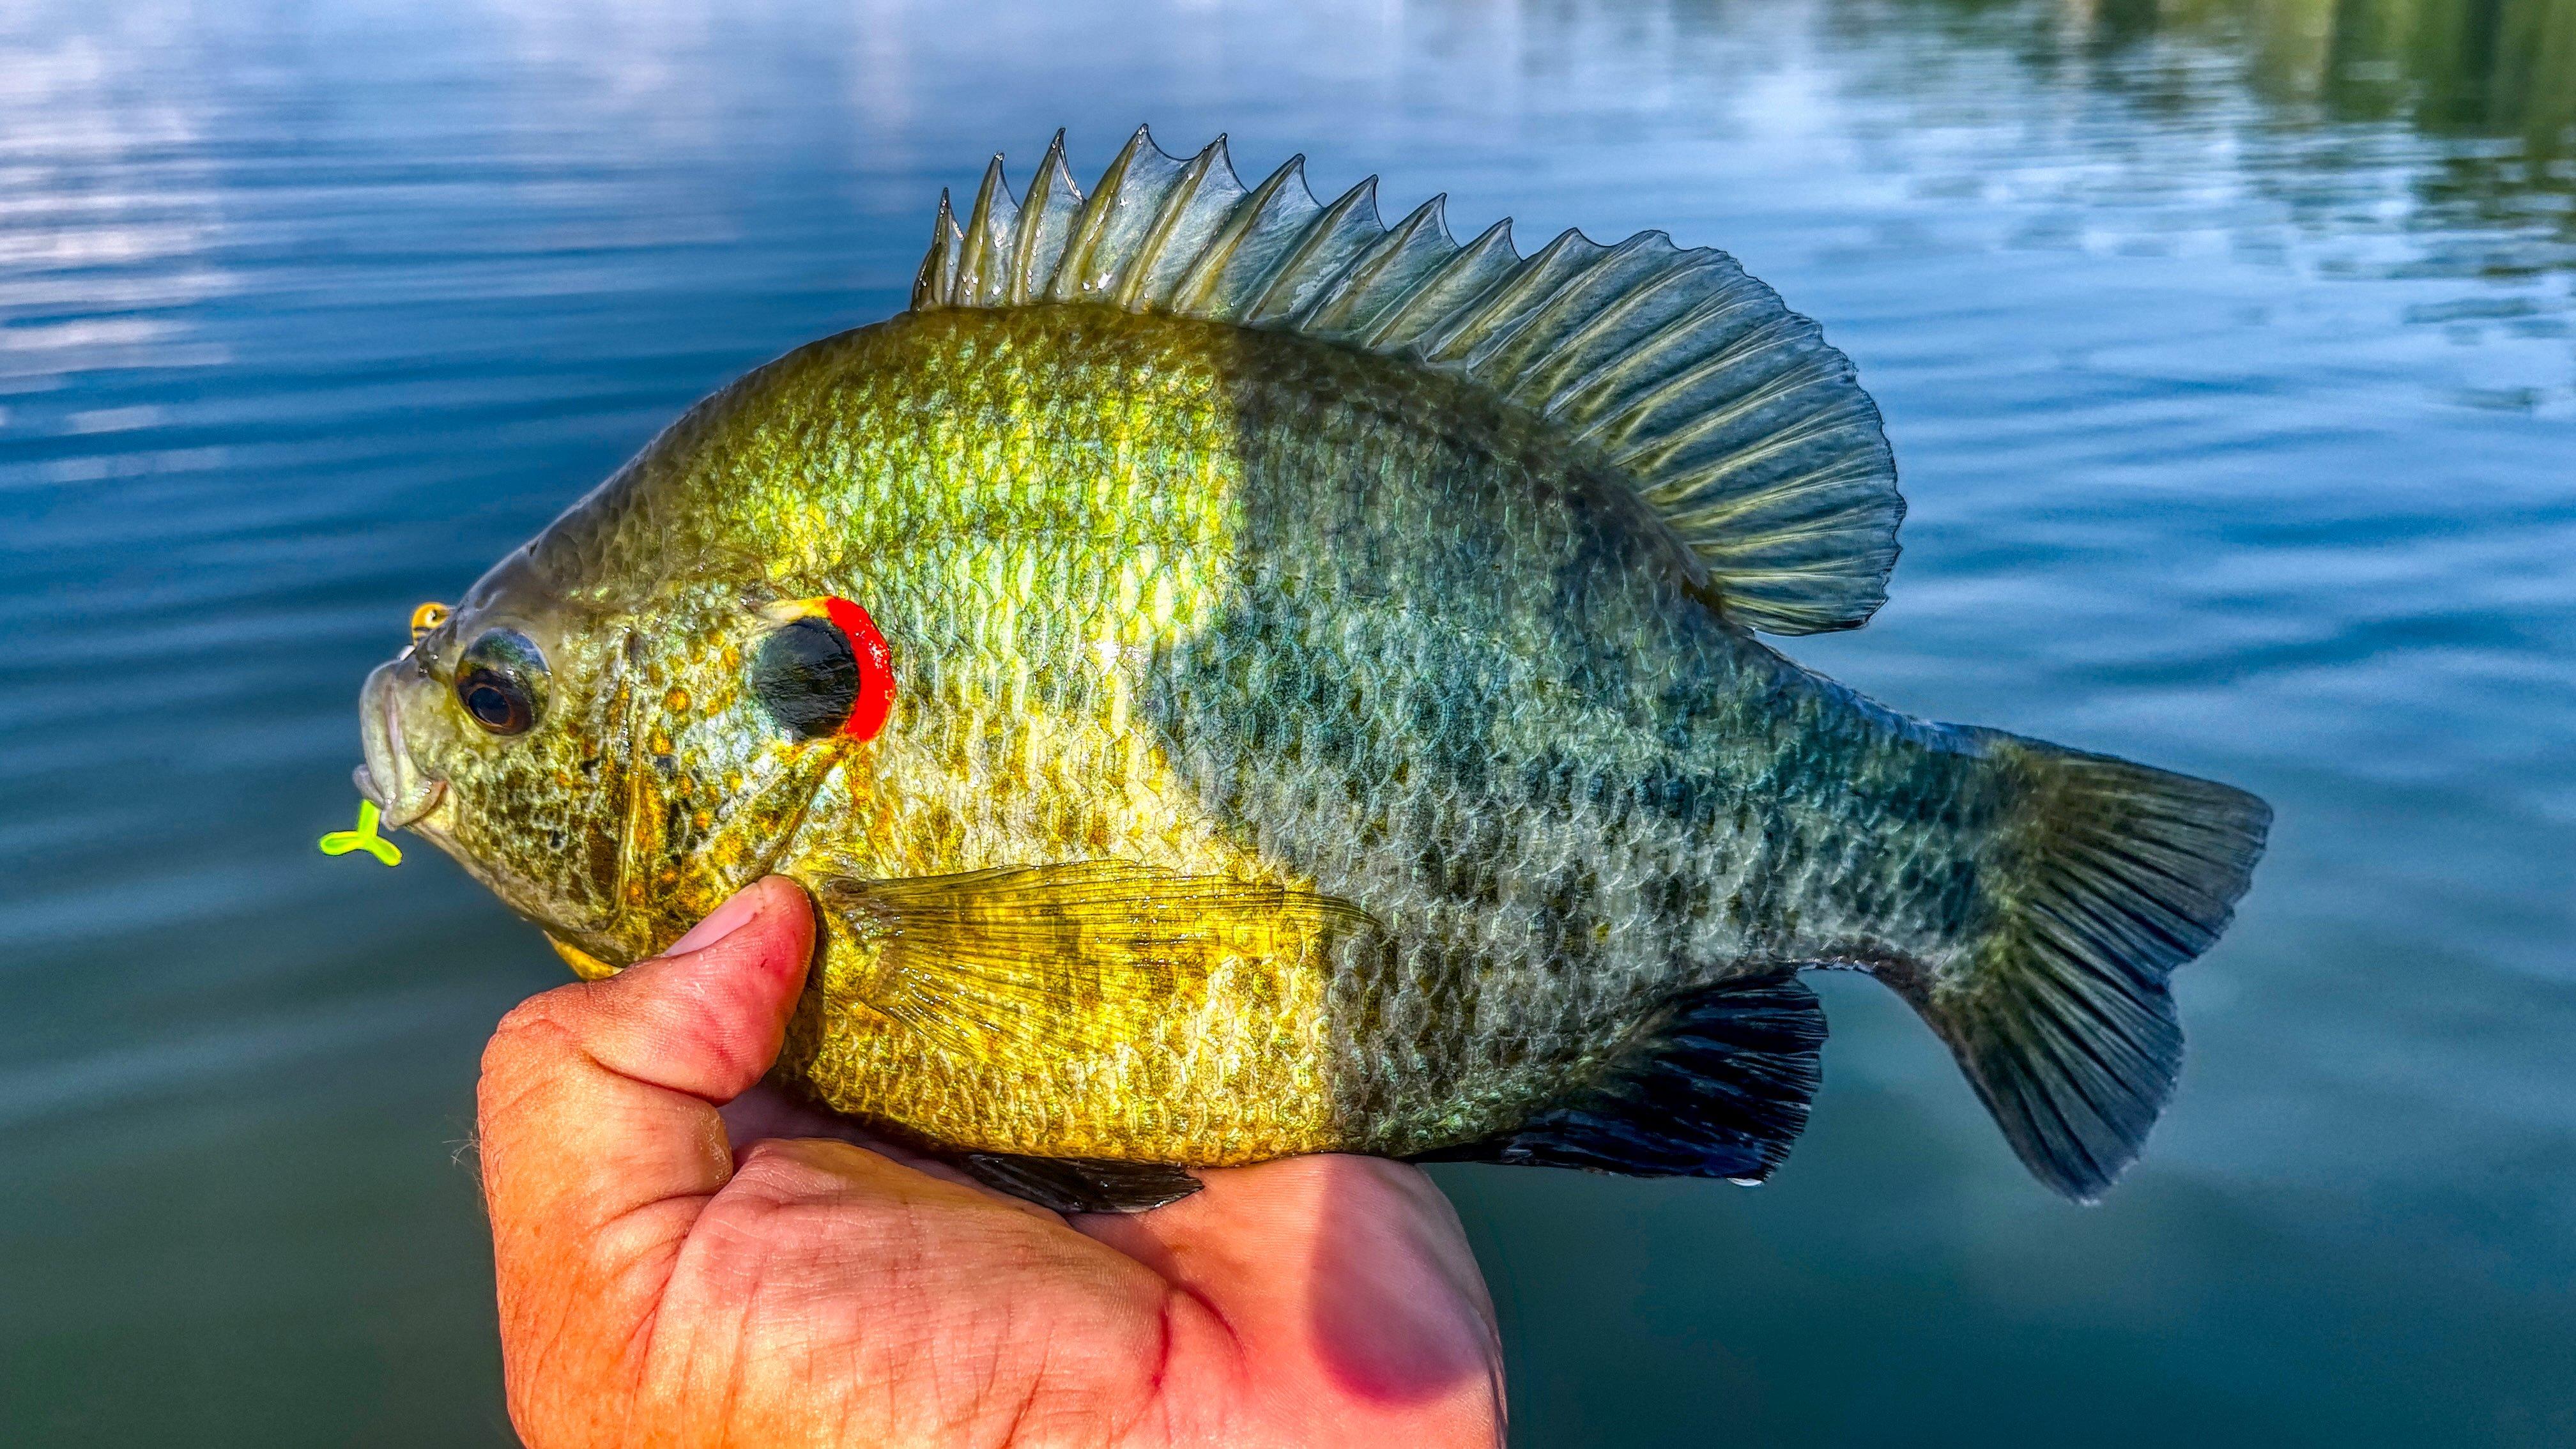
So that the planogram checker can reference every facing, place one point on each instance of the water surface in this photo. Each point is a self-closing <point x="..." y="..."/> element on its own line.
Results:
<point x="2227" y="352"/>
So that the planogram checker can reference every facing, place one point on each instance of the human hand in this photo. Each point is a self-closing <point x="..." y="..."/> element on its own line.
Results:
<point x="675" y="1275"/>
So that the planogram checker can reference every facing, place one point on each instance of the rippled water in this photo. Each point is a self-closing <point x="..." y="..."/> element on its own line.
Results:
<point x="2226" y="349"/>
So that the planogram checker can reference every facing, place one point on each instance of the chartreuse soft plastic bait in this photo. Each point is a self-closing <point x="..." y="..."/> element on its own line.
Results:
<point x="341" y="842"/>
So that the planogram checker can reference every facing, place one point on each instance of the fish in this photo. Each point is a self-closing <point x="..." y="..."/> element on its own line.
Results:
<point x="1239" y="678"/>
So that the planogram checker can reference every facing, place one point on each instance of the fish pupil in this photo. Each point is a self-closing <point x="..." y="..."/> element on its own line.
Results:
<point x="496" y="701"/>
<point x="806" y="677"/>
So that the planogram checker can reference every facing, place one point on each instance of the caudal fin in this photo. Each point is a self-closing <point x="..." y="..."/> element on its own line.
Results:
<point x="2106" y="877"/>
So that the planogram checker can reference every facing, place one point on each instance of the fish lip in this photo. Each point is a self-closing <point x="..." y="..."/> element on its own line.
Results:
<point x="403" y="793"/>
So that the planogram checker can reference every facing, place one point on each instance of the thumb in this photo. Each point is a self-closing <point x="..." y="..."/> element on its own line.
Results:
<point x="598" y="1102"/>
<point x="704" y="1019"/>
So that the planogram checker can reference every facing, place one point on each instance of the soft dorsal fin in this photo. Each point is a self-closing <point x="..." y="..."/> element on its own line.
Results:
<point x="1728" y="411"/>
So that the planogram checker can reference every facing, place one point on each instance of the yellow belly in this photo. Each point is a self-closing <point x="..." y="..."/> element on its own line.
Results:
<point x="1227" y="1067"/>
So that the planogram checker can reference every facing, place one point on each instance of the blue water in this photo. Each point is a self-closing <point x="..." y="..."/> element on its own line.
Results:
<point x="2227" y="353"/>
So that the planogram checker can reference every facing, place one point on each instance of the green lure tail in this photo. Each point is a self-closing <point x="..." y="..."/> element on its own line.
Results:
<point x="341" y="842"/>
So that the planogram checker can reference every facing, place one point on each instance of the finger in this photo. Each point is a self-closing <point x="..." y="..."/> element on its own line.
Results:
<point x="599" y="1131"/>
<point x="1347" y="1279"/>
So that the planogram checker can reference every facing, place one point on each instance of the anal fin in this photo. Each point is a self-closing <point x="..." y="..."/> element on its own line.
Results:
<point x="1716" y="1084"/>
<point x="1081" y="1184"/>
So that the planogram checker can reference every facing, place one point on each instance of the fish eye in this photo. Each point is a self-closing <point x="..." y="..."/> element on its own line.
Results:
<point x="496" y="701"/>
<point x="499" y="682"/>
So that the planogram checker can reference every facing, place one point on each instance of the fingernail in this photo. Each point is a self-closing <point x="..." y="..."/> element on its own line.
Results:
<point x="721" y="922"/>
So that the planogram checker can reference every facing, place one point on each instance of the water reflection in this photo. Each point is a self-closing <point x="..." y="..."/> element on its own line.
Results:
<point x="2492" y="81"/>
<point x="2425" y="141"/>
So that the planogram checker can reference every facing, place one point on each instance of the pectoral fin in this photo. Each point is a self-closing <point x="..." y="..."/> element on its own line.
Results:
<point x="1073" y="958"/>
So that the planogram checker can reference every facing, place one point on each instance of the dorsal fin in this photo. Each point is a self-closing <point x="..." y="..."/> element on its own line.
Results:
<point x="1727" y="411"/>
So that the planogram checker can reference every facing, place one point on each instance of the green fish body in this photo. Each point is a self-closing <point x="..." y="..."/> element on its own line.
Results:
<point x="1241" y="680"/>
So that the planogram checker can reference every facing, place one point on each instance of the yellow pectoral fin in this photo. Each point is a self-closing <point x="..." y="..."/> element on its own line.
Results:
<point x="1069" y="960"/>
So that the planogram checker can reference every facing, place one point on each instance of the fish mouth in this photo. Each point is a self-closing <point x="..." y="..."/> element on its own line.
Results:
<point x="402" y="792"/>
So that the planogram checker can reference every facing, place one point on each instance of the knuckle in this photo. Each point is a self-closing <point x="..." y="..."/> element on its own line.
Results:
<point x="530" y="1040"/>
<point x="534" y="1027"/>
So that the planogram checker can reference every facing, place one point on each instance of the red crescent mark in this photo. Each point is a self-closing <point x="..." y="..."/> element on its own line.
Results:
<point x="876" y="668"/>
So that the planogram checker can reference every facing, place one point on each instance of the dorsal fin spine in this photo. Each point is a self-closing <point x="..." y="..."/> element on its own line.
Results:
<point x="1271" y="231"/>
<point x="1195" y="294"/>
<point x="1301" y="262"/>
<point x="937" y="279"/>
<point x="1072" y="274"/>
<point x="1724" y="409"/>
<point x="1128" y="215"/>
<point x="1202" y="187"/>
<point x="1037" y="244"/>
<point x="1492" y="319"/>
<point x="980" y="264"/>
<point x="1476" y="266"/>
<point x="1175" y="200"/>
<point x="1329" y="312"/>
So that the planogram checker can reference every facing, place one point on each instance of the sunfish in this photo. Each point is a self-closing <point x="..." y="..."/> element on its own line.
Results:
<point x="1239" y="679"/>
